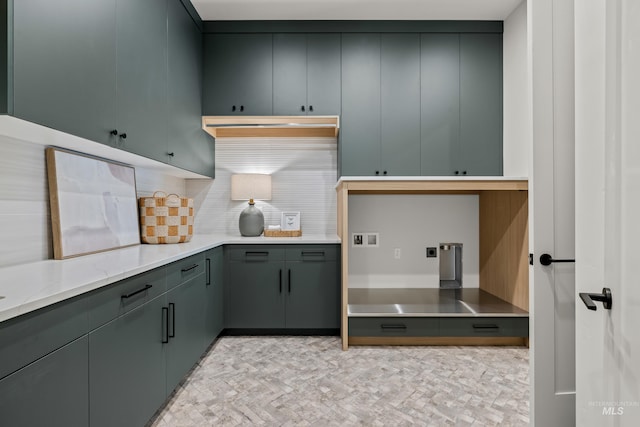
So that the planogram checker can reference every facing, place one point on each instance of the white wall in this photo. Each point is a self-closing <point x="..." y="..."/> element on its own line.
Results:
<point x="517" y="113"/>
<point x="25" y="229"/>
<point x="412" y="223"/>
<point x="304" y="174"/>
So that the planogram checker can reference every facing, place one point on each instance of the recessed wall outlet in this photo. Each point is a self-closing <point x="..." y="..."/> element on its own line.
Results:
<point x="373" y="239"/>
<point x="365" y="240"/>
<point x="432" y="252"/>
<point x="397" y="253"/>
<point x="357" y="239"/>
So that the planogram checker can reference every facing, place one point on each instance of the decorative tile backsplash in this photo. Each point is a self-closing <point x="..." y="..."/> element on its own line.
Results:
<point x="304" y="174"/>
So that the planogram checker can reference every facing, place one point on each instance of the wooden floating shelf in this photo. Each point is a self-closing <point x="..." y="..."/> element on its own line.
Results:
<point x="271" y="126"/>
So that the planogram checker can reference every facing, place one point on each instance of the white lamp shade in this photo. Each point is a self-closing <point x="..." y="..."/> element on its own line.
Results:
<point x="251" y="186"/>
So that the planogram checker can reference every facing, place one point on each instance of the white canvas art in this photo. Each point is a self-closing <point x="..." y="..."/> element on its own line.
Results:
<point x="93" y="204"/>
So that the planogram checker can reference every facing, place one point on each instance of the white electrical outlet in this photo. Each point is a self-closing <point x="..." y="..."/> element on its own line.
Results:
<point x="397" y="253"/>
<point x="357" y="240"/>
<point x="365" y="240"/>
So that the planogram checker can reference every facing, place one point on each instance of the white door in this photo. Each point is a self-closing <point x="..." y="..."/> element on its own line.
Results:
<point x="552" y="287"/>
<point x="608" y="211"/>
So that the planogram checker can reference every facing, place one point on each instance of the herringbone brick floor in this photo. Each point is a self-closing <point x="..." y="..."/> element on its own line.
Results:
<point x="310" y="381"/>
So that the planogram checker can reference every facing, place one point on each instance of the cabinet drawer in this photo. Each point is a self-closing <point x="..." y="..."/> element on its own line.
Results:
<point x="312" y="253"/>
<point x="484" y="327"/>
<point x="255" y="253"/>
<point x="29" y="337"/>
<point x="185" y="269"/>
<point x="114" y="300"/>
<point x="393" y="326"/>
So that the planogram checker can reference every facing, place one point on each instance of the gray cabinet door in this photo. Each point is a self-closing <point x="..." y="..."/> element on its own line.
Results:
<point x="126" y="365"/>
<point x="254" y="294"/>
<point x="238" y="74"/>
<point x="289" y="74"/>
<point x="481" y="103"/>
<point x="313" y="295"/>
<point x="323" y="74"/>
<point x="214" y="317"/>
<point x="141" y="31"/>
<point x="192" y="148"/>
<point x="186" y="304"/>
<point x="53" y="391"/>
<point x="64" y="55"/>
<point x="360" y="121"/>
<point x="400" y="104"/>
<point x="440" y="100"/>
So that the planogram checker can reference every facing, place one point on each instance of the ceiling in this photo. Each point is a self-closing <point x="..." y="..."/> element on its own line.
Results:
<point x="238" y="10"/>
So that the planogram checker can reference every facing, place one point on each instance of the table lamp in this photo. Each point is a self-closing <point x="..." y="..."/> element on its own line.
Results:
<point x="251" y="187"/>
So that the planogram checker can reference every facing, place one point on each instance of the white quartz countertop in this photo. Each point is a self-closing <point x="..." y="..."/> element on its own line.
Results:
<point x="28" y="287"/>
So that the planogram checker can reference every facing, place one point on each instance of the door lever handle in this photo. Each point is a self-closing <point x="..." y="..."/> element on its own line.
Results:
<point x="605" y="297"/>
<point x="546" y="259"/>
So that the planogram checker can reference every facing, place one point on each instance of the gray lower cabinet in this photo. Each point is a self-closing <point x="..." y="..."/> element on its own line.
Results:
<point x="126" y="363"/>
<point x="439" y="326"/>
<point x="306" y="74"/>
<point x="214" y="311"/>
<point x="238" y="74"/>
<point x="186" y="329"/>
<point x="291" y="287"/>
<point x="52" y="391"/>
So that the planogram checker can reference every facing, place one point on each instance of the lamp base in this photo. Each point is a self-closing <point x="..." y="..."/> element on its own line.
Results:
<point x="251" y="222"/>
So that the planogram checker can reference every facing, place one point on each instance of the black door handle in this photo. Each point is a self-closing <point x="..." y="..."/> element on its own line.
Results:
<point x="605" y="297"/>
<point x="546" y="259"/>
<point x="172" y="312"/>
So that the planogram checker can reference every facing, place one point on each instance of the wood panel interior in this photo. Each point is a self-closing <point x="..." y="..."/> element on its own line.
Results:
<point x="271" y="126"/>
<point x="504" y="246"/>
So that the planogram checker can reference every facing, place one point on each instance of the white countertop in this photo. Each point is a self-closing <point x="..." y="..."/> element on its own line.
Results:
<point x="28" y="287"/>
<point x="428" y="178"/>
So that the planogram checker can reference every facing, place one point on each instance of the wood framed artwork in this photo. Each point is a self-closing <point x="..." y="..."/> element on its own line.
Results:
<point x="93" y="204"/>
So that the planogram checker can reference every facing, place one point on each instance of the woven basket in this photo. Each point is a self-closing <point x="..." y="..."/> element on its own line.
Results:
<point x="165" y="219"/>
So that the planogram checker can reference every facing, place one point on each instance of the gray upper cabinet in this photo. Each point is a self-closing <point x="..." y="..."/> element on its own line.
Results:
<point x="440" y="103"/>
<point x="188" y="146"/>
<point x="306" y="74"/>
<point x="141" y="89"/>
<point x="238" y="72"/>
<point x="64" y="75"/>
<point x="400" y="104"/>
<point x="380" y="132"/>
<point x="481" y="103"/>
<point x="360" y="121"/>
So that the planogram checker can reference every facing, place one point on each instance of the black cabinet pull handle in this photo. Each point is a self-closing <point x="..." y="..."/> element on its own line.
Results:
<point x="114" y="132"/>
<point x="289" y="280"/>
<point x="233" y="108"/>
<point x="280" y="280"/>
<point x="605" y="297"/>
<point x="310" y="107"/>
<point x="123" y="136"/>
<point x="207" y="271"/>
<point x="464" y="172"/>
<point x="384" y="173"/>
<point x="546" y="259"/>
<point x="302" y="108"/>
<point x="184" y="270"/>
<point x="171" y="154"/>
<point x="172" y="334"/>
<point x="398" y="326"/>
<point x="256" y="253"/>
<point x="312" y="253"/>
<point x="165" y="323"/>
<point x="377" y="172"/>
<point x="457" y="172"/>
<point x="136" y="292"/>
<point x="485" y="326"/>
<point x="242" y="108"/>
